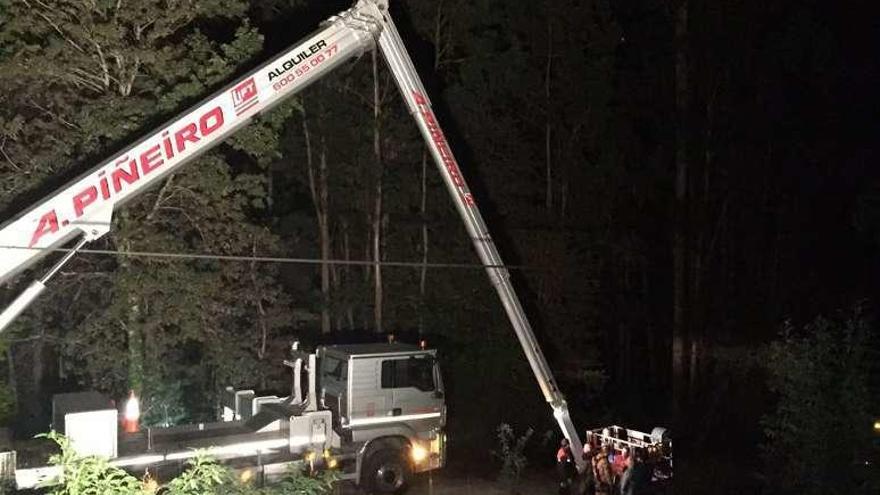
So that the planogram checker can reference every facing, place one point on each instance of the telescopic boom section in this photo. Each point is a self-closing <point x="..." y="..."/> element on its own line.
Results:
<point x="413" y="92"/>
<point x="84" y="207"/>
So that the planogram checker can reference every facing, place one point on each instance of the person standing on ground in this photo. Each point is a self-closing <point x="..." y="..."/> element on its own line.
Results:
<point x="589" y="478"/>
<point x="565" y="467"/>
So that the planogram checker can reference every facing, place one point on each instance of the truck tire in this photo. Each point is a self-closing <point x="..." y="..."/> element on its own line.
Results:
<point x="386" y="472"/>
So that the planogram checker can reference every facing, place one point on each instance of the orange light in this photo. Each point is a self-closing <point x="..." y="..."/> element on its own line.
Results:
<point x="132" y="414"/>
<point x="423" y="344"/>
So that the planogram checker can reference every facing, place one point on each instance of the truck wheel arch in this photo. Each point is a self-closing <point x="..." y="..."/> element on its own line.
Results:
<point x="373" y="447"/>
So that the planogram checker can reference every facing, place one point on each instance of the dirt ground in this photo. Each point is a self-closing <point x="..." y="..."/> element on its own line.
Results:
<point x="440" y="484"/>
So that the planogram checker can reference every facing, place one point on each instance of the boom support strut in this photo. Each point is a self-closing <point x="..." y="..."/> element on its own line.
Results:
<point x="414" y="93"/>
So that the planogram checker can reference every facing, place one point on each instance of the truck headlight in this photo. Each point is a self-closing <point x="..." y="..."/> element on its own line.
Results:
<point x="418" y="453"/>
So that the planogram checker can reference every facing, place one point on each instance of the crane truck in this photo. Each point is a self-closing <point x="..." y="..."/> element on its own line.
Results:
<point x="81" y="211"/>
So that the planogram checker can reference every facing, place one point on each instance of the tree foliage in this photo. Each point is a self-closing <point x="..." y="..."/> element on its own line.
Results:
<point x="86" y="78"/>
<point x="818" y="437"/>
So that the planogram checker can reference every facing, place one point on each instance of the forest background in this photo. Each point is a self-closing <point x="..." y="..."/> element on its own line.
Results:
<point x="681" y="187"/>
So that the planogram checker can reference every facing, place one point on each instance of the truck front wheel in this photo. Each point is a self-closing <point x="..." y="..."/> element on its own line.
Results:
<point x="386" y="471"/>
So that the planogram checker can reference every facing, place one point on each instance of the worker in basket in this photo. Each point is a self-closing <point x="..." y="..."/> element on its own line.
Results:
<point x="602" y="472"/>
<point x="637" y="475"/>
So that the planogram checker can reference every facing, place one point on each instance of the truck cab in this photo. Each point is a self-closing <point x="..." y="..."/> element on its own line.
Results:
<point x="382" y="388"/>
<point x="384" y="404"/>
<point x="385" y="396"/>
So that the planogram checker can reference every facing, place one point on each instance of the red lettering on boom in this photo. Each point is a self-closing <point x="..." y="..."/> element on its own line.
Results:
<point x="211" y="121"/>
<point x="129" y="172"/>
<point x="85" y="197"/>
<point x="151" y="159"/>
<point x="443" y="147"/>
<point x="48" y="224"/>
<point x="129" y="176"/>
<point x="188" y="133"/>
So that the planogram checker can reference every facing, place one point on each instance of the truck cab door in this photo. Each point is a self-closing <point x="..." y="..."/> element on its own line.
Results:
<point x="415" y="386"/>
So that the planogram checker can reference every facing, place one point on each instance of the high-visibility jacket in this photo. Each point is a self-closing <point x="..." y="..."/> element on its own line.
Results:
<point x="564" y="454"/>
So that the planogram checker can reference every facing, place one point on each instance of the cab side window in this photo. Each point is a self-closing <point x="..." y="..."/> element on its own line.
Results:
<point x="413" y="372"/>
<point x="335" y="369"/>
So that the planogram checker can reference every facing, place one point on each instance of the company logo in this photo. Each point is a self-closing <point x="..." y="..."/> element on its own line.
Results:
<point x="244" y="96"/>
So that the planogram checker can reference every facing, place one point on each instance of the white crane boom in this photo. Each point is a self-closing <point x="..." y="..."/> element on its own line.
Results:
<point x="84" y="207"/>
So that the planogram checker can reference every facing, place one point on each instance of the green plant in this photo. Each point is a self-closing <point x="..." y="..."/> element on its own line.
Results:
<point x="87" y="475"/>
<point x="299" y="483"/>
<point x="204" y="475"/>
<point x="511" y="452"/>
<point x="81" y="475"/>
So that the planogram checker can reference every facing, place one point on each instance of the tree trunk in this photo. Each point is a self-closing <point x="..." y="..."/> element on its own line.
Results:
<point x="318" y="190"/>
<point x="13" y="383"/>
<point x="681" y="303"/>
<point x="261" y="311"/>
<point x="324" y="226"/>
<point x="377" y="201"/>
<point x="423" y="274"/>
<point x="346" y="249"/>
<point x="548" y="125"/>
<point x="37" y="371"/>
<point x="135" y="347"/>
<point x="368" y="268"/>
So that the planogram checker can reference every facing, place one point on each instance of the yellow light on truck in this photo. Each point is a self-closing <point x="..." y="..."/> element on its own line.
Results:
<point x="149" y="484"/>
<point x="418" y="453"/>
<point x="246" y="476"/>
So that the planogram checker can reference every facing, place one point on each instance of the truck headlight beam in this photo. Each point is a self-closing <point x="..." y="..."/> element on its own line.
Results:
<point x="418" y="453"/>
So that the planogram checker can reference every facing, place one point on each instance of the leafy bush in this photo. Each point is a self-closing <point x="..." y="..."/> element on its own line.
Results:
<point x="165" y="404"/>
<point x="298" y="483"/>
<point x="818" y="438"/>
<point x="203" y="476"/>
<point x="88" y="475"/>
<point x="511" y="452"/>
